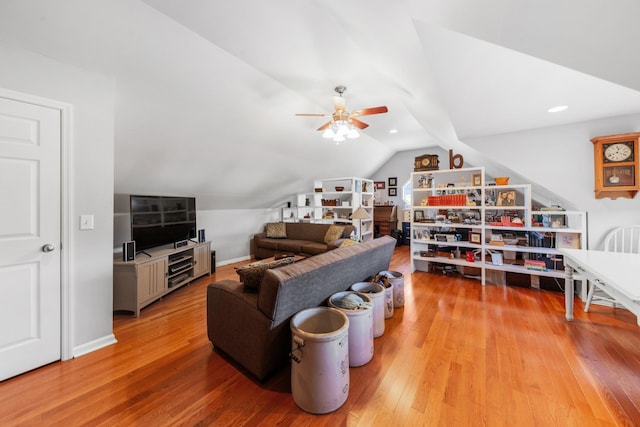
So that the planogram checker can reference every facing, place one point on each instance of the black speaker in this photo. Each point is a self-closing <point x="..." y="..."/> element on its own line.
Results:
<point x="129" y="251"/>
<point x="201" y="238"/>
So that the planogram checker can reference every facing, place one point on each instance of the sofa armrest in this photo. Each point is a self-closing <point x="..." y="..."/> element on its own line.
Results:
<point x="236" y="327"/>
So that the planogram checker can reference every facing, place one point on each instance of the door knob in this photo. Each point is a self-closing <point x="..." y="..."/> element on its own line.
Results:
<point x="48" y="248"/>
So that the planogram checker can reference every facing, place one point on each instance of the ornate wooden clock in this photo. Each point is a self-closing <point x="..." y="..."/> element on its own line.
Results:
<point x="615" y="163"/>
<point x="426" y="162"/>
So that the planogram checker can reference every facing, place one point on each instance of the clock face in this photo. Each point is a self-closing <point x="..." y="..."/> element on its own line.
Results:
<point x="426" y="161"/>
<point x="618" y="152"/>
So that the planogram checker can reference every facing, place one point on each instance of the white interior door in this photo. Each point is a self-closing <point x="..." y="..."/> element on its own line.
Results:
<point x="29" y="236"/>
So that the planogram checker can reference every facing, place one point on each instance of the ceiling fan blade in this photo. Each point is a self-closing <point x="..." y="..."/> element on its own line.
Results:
<point x="357" y="123"/>
<point x="338" y="103"/>
<point x="326" y="125"/>
<point x="369" y="111"/>
<point x="312" y="115"/>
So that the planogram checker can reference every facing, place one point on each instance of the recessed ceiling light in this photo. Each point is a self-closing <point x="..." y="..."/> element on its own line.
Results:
<point x="393" y="131"/>
<point x="558" y="108"/>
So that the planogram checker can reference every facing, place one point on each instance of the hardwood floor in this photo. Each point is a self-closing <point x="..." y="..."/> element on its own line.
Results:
<point x="457" y="354"/>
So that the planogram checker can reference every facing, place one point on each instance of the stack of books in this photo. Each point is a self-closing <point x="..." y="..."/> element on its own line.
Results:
<point x="531" y="264"/>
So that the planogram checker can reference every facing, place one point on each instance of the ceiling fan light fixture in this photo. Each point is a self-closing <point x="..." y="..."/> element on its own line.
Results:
<point x="353" y="133"/>
<point x="344" y="124"/>
<point x="328" y="133"/>
<point x="342" y="128"/>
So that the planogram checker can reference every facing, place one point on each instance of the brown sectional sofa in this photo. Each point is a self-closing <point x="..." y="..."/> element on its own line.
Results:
<point x="253" y="328"/>
<point x="303" y="238"/>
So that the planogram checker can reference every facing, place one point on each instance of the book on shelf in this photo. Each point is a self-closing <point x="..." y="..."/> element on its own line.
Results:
<point x="537" y="265"/>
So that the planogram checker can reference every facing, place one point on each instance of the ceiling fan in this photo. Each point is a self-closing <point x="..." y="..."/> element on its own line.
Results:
<point x="343" y="124"/>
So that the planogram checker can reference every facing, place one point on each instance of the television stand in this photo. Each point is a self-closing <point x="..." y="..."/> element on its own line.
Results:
<point x="140" y="282"/>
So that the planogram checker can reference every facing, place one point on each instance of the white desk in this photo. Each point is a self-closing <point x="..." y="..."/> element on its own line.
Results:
<point x="617" y="273"/>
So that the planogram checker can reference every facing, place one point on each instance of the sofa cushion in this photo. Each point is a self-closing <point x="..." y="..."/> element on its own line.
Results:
<point x="289" y="245"/>
<point x="313" y="248"/>
<point x="334" y="232"/>
<point x="305" y="231"/>
<point x="251" y="274"/>
<point x="347" y="242"/>
<point x="270" y="243"/>
<point x="276" y="230"/>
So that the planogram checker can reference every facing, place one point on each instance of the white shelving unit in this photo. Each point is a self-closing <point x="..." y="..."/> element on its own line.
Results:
<point x="333" y="202"/>
<point x="336" y="199"/>
<point x="303" y="210"/>
<point x="459" y="222"/>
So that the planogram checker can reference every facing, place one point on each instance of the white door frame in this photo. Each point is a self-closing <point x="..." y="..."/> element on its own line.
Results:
<point x="66" y="139"/>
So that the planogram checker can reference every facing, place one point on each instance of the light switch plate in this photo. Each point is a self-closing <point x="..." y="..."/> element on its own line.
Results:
<point x="86" y="222"/>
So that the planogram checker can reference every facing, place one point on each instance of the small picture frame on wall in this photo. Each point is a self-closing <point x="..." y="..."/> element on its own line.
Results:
<point x="393" y="192"/>
<point x="393" y="182"/>
<point x="378" y="185"/>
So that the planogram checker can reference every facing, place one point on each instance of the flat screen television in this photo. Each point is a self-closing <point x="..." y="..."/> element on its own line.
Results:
<point x="161" y="220"/>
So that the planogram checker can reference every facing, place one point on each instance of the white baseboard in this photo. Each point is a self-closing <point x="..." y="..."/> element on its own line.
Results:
<point x="231" y="261"/>
<point x="94" y="345"/>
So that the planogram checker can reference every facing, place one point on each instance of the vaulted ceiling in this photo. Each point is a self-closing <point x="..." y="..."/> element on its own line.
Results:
<point x="207" y="91"/>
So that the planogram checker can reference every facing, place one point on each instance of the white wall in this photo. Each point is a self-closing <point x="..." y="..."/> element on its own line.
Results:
<point x="90" y="162"/>
<point x="561" y="159"/>
<point x="231" y="231"/>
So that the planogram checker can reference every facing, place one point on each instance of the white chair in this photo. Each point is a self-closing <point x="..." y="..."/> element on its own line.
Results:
<point x="621" y="239"/>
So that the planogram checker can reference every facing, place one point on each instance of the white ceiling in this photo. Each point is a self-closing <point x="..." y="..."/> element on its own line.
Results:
<point x="211" y="88"/>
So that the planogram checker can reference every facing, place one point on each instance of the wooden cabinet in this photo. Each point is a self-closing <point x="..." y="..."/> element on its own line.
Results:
<point x="385" y="219"/>
<point x="154" y="274"/>
<point x="202" y="260"/>
<point x="152" y="279"/>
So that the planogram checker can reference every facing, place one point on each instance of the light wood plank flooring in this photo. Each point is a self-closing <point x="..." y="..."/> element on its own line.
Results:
<point x="457" y="354"/>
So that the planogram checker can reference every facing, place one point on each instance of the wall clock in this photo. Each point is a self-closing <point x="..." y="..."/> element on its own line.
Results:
<point x="615" y="161"/>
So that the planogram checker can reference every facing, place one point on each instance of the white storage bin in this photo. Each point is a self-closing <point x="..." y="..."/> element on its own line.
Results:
<point x="360" y="326"/>
<point x="397" y="280"/>
<point x="376" y="293"/>
<point x="319" y="359"/>
<point x="388" y="301"/>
